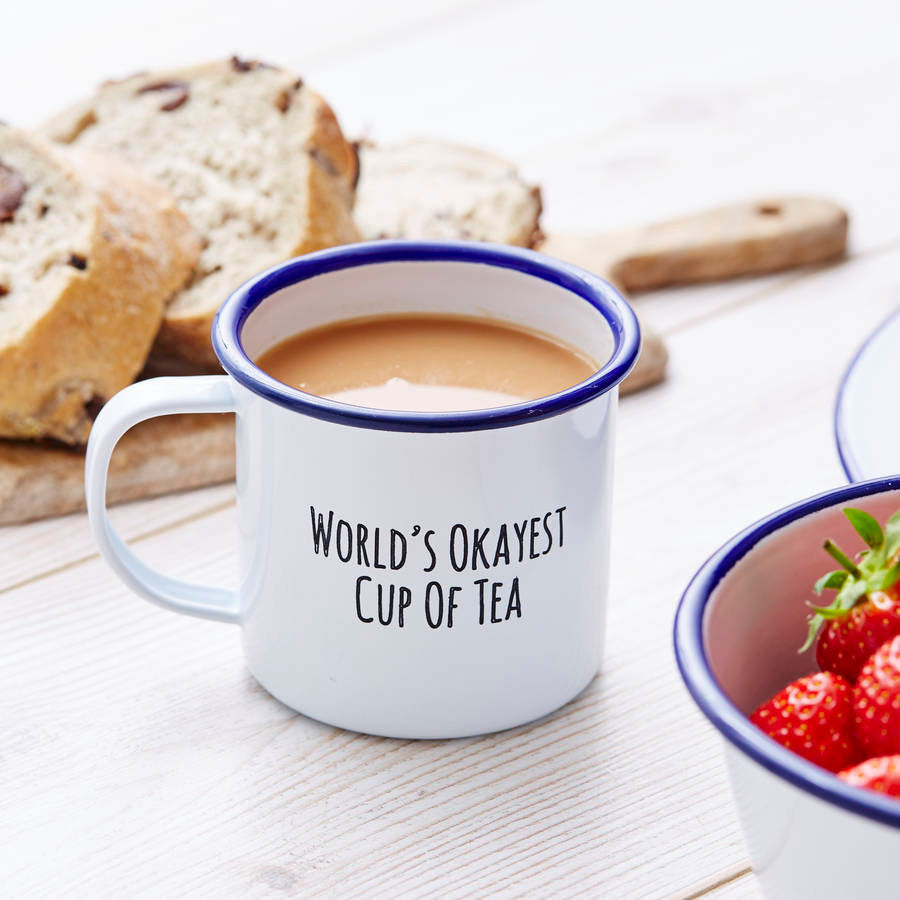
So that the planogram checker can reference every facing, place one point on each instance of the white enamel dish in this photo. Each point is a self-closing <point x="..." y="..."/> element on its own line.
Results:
<point x="866" y="431"/>
<point x="737" y="631"/>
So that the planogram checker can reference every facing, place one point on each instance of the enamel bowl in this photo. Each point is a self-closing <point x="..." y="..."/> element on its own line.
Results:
<point x="868" y="442"/>
<point x="737" y="631"/>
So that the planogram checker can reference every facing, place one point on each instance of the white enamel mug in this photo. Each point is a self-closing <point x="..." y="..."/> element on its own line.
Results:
<point x="416" y="575"/>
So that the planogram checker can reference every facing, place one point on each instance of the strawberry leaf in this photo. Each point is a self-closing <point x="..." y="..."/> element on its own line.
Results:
<point x="828" y="612"/>
<point x="831" y="581"/>
<point x="851" y="591"/>
<point x="892" y="536"/>
<point x="847" y="597"/>
<point x="866" y="527"/>
<point x="815" y="623"/>
<point x="888" y="579"/>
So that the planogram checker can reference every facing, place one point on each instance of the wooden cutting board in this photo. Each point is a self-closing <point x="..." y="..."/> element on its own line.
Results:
<point x="180" y="452"/>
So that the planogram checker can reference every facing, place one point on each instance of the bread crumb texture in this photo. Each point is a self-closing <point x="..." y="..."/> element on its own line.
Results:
<point x="254" y="157"/>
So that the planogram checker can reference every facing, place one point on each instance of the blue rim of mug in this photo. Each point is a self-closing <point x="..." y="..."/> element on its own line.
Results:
<point x="735" y="727"/>
<point x="598" y="293"/>
<point x="849" y="463"/>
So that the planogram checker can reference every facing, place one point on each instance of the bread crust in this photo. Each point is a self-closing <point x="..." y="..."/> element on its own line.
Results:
<point x="327" y="220"/>
<point x="95" y="337"/>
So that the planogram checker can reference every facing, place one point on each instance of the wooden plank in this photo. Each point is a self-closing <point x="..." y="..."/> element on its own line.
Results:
<point x="179" y="774"/>
<point x="229" y="789"/>
<point x="31" y="550"/>
<point x="675" y="308"/>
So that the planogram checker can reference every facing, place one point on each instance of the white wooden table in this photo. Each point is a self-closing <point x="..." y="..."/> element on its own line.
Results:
<point x="139" y="758"/>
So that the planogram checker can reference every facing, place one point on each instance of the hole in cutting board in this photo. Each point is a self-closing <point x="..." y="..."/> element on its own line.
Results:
<point x="768" y="209"/>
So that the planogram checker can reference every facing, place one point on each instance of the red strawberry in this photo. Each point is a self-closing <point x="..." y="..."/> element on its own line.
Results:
<point x="866" y="611"/>
<point x="813" y="716"/>
<point x="847" y="643"/>
<point x="880" y="774"/>
<point x="876" y="701"/>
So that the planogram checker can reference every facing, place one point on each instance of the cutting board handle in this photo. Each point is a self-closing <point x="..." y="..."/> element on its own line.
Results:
<point x="765" y="235"/>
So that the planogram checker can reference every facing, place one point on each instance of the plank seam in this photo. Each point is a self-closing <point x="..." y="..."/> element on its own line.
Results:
<point x="722" y="883"/>
<point x="785" y="283"/>
<point x="153" y="532"/>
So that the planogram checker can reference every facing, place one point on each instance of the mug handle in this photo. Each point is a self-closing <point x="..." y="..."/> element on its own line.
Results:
<point x="137" y="402"/>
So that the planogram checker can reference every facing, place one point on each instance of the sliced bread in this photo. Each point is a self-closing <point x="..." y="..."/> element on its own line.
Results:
<point x="90" y="253"/>
<point x="432" y="190"/>
<point x="255" y="159"/>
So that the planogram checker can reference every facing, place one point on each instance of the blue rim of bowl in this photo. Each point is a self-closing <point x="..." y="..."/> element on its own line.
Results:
<point x="849" y="464"/>
<point x="598" y="293"/>
<point x="734" y="726"/>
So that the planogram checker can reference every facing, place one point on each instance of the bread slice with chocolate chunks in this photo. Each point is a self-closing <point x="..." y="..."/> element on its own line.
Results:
<point x="432" y="190"/>
<point x="255" y="159"/>
<point x="90" y="253"/>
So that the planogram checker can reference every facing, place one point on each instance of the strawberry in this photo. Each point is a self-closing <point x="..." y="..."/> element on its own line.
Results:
<point x="866" y="611"/>
<point x="880" y="774"/>
<point x="876" y="701"/>
<point x="845" y="644"/>
<point x="813" y="716"/>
